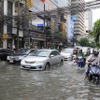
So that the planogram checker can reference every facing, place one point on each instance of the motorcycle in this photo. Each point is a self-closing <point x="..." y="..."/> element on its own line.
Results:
<point x="94" y="74"/>
<point x="80" y="61"/>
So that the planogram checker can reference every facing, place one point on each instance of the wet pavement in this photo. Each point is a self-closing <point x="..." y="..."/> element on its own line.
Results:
<point x="58" y="83"/>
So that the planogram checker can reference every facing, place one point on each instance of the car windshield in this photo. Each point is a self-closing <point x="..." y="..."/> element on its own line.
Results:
<point x="40" y="53"/>
<point x="22" y="52"/>
<point x="67" y="50"/>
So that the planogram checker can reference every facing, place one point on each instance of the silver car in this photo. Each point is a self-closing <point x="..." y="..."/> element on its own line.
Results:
<point x="18" y="55"/>
<point x="42" y="59"/>
<point x="67" y="53"/>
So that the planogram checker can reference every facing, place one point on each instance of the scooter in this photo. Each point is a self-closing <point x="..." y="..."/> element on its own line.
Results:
<point x="94" y="74"/>
<point x="80" y="61"/>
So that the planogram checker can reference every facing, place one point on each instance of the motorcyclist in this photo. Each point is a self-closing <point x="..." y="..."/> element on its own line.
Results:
<point x="93" y="59"/>
<point x="74" y="54"/>
<point x="80" y="54"/>
<point x="88" y="52"/>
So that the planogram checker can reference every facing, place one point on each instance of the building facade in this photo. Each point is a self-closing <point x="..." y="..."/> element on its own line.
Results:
<point x="8" y="26"/>
<point x="88" y="24"/>
<point x="57" y="22"/>
<point x="79" y="25"/>
<point x="88" y="21"/>
<point x="17" y="23"/>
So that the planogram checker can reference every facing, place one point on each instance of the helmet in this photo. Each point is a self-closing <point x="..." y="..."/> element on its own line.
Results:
<point x="96" y="52"/>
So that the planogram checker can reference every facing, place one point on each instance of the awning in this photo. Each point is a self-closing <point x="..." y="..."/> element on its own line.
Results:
<point x="39" y="39"/>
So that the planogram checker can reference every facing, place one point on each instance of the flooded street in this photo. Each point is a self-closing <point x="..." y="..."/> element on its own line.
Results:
<point x="58" y="83"/>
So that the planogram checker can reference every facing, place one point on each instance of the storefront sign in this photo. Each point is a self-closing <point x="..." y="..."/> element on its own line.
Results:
<point x="14" y="30"/>
<point x="9" y="36"/>
<point x="39" y="39"/>
<point x="4" y="36"/>
<point x="28" y="3"/>
<point x="33" y="34"/>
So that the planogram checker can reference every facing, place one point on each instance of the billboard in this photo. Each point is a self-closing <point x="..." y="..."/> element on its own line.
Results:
<point x="72" y="19"/>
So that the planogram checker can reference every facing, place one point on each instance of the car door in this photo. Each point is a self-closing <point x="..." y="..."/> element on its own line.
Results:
<point x="53" y="57"/>
<point x="58" y="57"/>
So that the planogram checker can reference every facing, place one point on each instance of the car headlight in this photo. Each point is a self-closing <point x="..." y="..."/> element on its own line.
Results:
<point x="18" y="58"/>
<point x="7" y="57"/>
<point x="22" y="61"/>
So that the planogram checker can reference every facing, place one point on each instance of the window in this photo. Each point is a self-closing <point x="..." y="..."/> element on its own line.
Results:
<point x="9" y="27"/>
<point x="55" y="53"/>
<point x="9" y="8"/>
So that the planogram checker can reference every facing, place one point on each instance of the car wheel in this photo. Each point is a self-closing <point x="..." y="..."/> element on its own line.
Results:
<point x="47" y="66"/>
<point x="61" y="62"/>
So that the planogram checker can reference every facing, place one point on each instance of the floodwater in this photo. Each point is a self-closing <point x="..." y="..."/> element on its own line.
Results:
<point x="58" y="83"/>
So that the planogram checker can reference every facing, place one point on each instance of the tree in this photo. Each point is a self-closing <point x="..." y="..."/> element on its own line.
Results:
<point x="84" y="42"/>
<point x="96" y="32"/>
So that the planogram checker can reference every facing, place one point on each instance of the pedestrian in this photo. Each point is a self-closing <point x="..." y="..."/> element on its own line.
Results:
<point x="13" y="46"/>
<point x="35" y="47"/>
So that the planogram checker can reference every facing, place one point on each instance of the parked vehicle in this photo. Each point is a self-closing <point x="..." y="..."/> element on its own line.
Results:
<point x="4" y="53"/>
<point x="67" y="53"/>
<point x="42" y="59"/>
<point x="94" y="74"/>
<point x="18" y="55"/>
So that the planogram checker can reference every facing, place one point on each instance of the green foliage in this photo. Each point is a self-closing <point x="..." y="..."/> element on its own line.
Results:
<point x="92" y="44"/>
<point x="91" y="34"/>
<point x="59" y="34"/>
<point x="85" y="42"/>
<point x="96" y="32"/>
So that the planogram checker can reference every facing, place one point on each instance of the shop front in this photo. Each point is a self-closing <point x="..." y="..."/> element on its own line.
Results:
<point x="38" y="39"/>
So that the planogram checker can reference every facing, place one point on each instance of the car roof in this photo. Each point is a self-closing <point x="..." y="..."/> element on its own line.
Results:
<point x="69" y="48"/>
<point x="48" y="49"/>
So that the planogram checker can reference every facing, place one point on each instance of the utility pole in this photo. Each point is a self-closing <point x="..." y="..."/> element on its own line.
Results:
<point x="18" y="24"/>
<point x="44" y="24"/>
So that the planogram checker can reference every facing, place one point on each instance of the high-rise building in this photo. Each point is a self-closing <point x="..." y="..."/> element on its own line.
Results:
<point x="88" y="24"/>
<point x="79" y="22"/>
<point x="88" y="21"/>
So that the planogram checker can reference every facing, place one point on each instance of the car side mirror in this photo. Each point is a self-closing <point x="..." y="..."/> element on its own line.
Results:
<point x="51" y="55"/>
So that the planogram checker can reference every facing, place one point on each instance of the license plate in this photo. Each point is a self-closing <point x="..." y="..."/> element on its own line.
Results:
<point x="28" y="66"/>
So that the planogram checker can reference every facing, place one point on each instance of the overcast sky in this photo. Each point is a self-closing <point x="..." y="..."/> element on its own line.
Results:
<point x="88" y="0"/>
<point x="96" y="12"/>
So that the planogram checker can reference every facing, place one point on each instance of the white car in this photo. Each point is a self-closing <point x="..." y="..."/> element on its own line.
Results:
<point x="67" y="53"/>
<point x="42" y="59"/>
